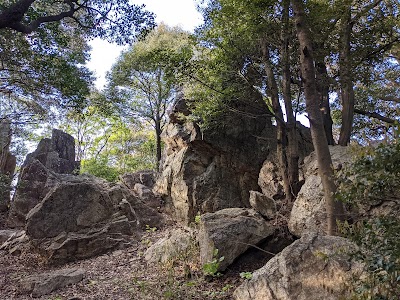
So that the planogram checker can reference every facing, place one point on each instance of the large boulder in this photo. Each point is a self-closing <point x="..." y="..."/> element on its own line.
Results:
<point x="315" y="267"/>
<point x="208" y="170"/>
<point x="40" y="171"/>
<point x="231" y="231"/>
<point x="308" y="212"/>
<point x="82" y="216"/>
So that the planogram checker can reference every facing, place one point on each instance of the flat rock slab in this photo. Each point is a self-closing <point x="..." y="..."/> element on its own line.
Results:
<point x="43" y="284"/>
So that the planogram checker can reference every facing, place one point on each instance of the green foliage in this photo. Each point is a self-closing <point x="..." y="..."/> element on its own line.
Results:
<point x="379" y="251"/>
<point x="246" y="275"/>
<point x="150" y="229"/>
<point x="373" y="176"/>
<point x="100" y="168"/>
<point x="211" y="268"/>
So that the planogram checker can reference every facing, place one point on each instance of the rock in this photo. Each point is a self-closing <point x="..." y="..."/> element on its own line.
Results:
<point x="263" y="205"/>
<point x="34" y="182"/>
<point x="232" y="231"/>
<point x="315" y="267"/>
<point x="6" y="234"/>
<point x="177" y="244"/>
<point x="43" y="284"/>
<point x="147" y="196"/>
<point x="56" y="154"/>
<point x="270" y="181"/>
<point x="7" y="164"/>
<point x="82" y="216"/>
<point x="17" y="243"/>
<point x="40" y="172"/>
<point x="205" y="171"/>
<point x="308" y="212"/>
<point x="146" y="178"/>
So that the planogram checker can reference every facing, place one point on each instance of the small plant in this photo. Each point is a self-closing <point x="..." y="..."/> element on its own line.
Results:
<point x="226" y="288"/>
<point x="211" y="268"/>
<point x="150" y="229"/>
<point x="197" y="219"/>
<point x="246" y="275"/>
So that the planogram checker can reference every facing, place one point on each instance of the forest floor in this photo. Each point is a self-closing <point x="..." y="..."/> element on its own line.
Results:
<point x="125" y="274"/>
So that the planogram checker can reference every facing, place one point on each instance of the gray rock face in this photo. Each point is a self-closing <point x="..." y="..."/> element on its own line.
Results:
<point x="39" y="285"/>
<point x="308" y="212"/>
<point x="263" y="204"/>
<point x="7" y="164"/>
<point x="171" y="247"/>
<point x="40" y="172"/>
<point x="232" y="231"/>
<point x="314" y="267"/>
<point x="56" y="154"/>
<point x="205" y="171"/>
<point x="147" y="196"/>
<point x="82" y="216"/>
<point x="146" y="177"/>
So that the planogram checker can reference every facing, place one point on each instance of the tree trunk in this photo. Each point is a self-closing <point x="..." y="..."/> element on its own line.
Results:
<point x="292" y="144"/>
<point x="157" y="124"/>
<point x="323" y="90"/>
<point x="346" y="83"/>
<point x="334" y="209"/>
<point x="273" y="93"/>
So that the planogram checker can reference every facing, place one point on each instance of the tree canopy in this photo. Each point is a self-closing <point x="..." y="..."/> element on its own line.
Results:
<point x="43" y="49"/>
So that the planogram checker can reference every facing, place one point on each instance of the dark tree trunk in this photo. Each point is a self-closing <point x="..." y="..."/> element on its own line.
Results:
<point x="334" y="209"/>
<point x="292" y="152"/>
<point x="346" y="83"/>
<point x="323" y="90"/>
<point x="158" y="143"/>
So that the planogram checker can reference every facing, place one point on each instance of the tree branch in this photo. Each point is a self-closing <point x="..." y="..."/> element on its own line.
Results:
<point x="374" y="115"/>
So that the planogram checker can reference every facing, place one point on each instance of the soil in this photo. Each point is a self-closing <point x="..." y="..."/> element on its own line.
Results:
<point x="124" y="274"/>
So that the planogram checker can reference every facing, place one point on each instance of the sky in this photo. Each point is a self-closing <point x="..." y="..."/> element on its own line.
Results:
<point x="181" y="13"/>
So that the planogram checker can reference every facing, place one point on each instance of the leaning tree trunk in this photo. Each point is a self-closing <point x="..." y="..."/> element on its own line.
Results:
<point x="292" y="152"/>
<point x="346" y="83"/>
<point x="272" y="91"/>
<point x="334" y="209"/>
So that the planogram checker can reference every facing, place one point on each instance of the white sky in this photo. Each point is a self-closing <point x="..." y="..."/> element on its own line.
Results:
<point x="181" y="13"/>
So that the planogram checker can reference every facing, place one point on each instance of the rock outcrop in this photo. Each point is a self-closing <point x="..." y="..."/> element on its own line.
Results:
<point x="205" y="171"/>
<point x="7" y="164"/>
<point x="82" y="216"/>
<point x="39" y="172"/>
<point x="315" y="267"/>
<point x="231" y="231"/>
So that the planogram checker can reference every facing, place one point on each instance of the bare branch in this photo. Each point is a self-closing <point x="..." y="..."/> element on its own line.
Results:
<point x="374" y="115"/>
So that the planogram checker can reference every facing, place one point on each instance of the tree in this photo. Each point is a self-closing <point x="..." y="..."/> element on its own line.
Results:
<point x="145" y="78"/>
<point x="115" y="20"/>
<point x="334" y="208"/>
<point x="44" y="47"/>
